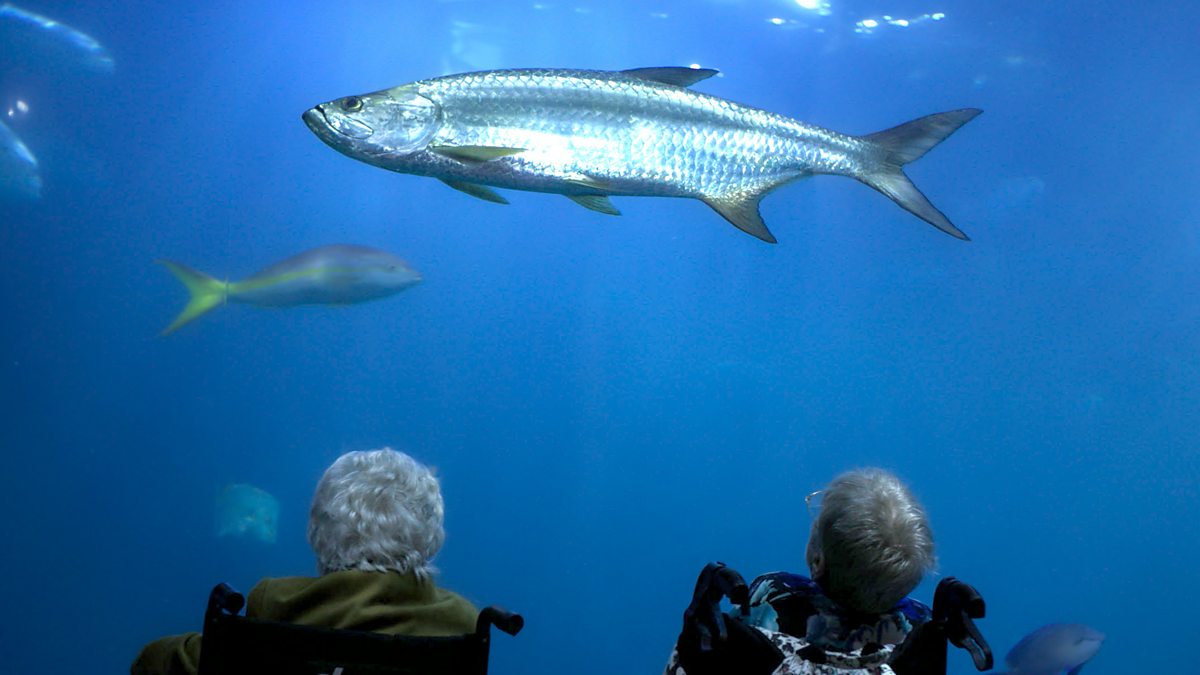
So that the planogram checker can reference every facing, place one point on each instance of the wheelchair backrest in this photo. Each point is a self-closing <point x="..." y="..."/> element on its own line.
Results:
<point x="236" y="645"/>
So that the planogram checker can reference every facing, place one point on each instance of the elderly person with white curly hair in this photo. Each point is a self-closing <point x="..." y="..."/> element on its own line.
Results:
<point x="375" y="526"/>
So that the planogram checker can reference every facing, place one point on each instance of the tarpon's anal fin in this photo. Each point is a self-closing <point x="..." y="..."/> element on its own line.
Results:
<point x="474" y="154"/>
<point x="742" y="211"/>
<point x="598" y="203"/>
<point x="1077" y="669"/>
<point x="483" y="192"/>
<point x="675" y="75"/>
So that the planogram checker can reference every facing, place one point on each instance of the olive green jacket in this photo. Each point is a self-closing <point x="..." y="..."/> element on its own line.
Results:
<point x="382" y="602"/>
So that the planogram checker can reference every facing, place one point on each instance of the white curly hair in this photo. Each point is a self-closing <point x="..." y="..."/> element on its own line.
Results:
<point x="871" y="543"/>
<point x="377" y="510"/>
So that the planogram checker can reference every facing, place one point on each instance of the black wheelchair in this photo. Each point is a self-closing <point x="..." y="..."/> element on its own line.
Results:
<point x="714" y="642"/>
<point x="237" y="645"/>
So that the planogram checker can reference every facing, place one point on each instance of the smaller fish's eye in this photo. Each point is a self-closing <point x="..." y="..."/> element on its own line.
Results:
<point x="352" y="104"/>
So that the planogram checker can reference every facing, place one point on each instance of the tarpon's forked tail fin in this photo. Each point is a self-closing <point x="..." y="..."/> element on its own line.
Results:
<point x="206" y="293"/>
<point x="908" y="143"/>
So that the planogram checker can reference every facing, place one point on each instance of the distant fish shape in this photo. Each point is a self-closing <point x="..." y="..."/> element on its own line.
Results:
<point x="340" y="274"/>
<point x="1054" y="649"/>
<point x="590" y="135"/>
<point x="1014" y="195"/>
<point x="36" y="37"/>
<point x="246" y="511"/>
<point x="20" y="178"/>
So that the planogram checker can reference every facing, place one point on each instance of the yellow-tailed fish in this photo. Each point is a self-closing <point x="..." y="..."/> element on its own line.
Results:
<point x="340" y="274"/>
<point x="590" y="135"/>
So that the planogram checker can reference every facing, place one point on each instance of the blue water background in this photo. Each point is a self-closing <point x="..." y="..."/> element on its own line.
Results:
<point x="611" y="402"/>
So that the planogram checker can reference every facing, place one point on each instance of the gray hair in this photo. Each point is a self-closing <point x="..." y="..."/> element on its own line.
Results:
<point x="377" y="510"/>
<point x="871" y="543"/>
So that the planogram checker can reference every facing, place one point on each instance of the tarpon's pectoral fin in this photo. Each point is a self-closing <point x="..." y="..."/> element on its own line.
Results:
<point x="474" y="154"/>
<point x="598" y="203"/>
<point x="483" y="192"/>
<point x="742" y="211"/>
<point x="678" y="76"/>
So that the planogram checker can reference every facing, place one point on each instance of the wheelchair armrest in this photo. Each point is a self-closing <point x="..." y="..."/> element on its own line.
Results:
<point x="955" y="605"/>
<point x="509" y="622"/>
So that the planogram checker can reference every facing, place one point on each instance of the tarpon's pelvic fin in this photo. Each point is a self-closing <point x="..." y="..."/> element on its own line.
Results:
<point x="741" y="209"/>
<point x="483" y="192"/>
<point x="206" y="293"/>
<point x="587" y="182"/>
<point x="908" y="143"/>
<point x="474" y="154"/>
<point x="675" y="75"/>
<point x="598" y="203"/>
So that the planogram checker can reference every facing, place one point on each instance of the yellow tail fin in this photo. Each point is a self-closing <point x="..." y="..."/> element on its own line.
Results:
<point x="206" y="294"/>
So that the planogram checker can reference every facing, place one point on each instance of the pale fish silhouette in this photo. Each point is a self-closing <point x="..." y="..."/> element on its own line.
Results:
<point x="245" y="511"/>
<point x="1054" y="649"/>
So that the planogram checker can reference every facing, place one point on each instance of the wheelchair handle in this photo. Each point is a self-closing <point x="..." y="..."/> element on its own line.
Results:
<point x="509" y="622"/>
<point x="224" y="599"/>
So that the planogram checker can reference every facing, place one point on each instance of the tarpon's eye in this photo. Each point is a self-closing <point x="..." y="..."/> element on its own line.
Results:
<point x="352" y="104"/>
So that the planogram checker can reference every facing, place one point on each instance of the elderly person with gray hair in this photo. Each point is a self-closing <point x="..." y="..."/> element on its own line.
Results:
<point x="869" y="547"/>
<point x="375" y="526"/>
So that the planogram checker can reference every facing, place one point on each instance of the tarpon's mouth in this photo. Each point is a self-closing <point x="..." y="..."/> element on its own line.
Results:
<point x="322" y="123"/>
<point x="314" y="120"/>
<point x="318" y="123"/>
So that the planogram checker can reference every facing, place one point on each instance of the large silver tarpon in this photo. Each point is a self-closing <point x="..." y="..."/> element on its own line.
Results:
<point x="590" y="135"/>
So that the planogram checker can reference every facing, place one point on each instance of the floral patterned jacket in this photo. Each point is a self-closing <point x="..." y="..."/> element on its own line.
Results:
<point x="818" y="637"/>
<point x="796" y="605"/>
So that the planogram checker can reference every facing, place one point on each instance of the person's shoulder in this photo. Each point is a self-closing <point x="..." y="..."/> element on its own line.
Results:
<point x="271" y="585"/>
<point x="783" y="583"/>
<point x="915" y="611"/>
<point x="263" y="598"/>
<point x="783" y="601"/>
<point x="456" y="604"/>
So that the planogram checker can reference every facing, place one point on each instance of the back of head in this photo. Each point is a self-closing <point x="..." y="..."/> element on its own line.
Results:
<point x="871" y="543"/>
<point x="377" y="510"/>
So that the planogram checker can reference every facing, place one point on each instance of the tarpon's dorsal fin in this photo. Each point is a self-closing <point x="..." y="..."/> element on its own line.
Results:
<point x="483" y="192"/>
<point x="741" y="209"/>
<point x="675" y="75"/>
<point x="598" y="203"/>
<point x="474" y="154"/>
